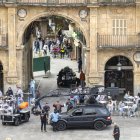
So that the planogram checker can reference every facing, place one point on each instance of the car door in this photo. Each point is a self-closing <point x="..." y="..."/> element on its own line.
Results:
<point x="89" y="115"/>
<point x="76" y="118"/>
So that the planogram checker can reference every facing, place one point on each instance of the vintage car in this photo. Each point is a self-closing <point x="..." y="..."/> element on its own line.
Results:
<point x="15" y="118"/>
<point x="66" y="77"/>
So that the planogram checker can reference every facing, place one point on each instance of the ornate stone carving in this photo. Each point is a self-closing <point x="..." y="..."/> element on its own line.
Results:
<point x="117" y="10"/>
<point x="94" y="80"/>
<point x="52" y="10"/>
<point x="12" y="80"/>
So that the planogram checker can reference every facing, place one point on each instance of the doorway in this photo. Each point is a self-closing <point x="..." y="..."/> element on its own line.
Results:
<point x="119" y="73"/>
<point x="1" y="77"/>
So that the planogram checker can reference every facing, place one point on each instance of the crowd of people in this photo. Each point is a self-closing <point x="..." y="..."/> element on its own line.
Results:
<point x="10" y="103"/>
<point x="71" y="102"/>
<point x="58" y="47"/>
<point x="128" y="106"/>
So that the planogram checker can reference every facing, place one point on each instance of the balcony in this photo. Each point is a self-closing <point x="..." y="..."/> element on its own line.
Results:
<point x="1" y="2"/>
<point x="3" y="40"/>
<point x="53" y="2"/>
<point x="117" y="2"/>
<point x="70" y="2"/>
<point x="118" y="41"/>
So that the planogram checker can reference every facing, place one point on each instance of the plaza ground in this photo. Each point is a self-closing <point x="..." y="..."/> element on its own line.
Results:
<point x="129" y="127"/>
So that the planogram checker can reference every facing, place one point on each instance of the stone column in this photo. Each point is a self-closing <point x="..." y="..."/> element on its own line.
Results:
<point x="93" y="71"/>
<point x="136" y="83"/>
<point x="12" y="72"/>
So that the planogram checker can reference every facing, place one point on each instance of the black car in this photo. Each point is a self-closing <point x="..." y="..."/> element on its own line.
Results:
<point x="94" y="116"/>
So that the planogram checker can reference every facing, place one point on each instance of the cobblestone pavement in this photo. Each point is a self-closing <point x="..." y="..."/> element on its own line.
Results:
<point x="129" y="127"/>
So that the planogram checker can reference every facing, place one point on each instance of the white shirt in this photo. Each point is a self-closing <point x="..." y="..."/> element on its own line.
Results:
<point x="32" y="84"/>
<point x="19" y="91"/>
<point x="0" y="93"/>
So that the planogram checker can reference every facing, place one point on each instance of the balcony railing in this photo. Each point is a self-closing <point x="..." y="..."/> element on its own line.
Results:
<point x="3" y="40"/>
<point x="118" y="2"/>
<point x="118" y="41"/>
<point x="52" y="2"/>
<point x="70" y="2"/>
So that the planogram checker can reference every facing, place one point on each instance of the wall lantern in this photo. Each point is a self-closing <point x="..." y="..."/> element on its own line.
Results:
<point x="119" y="66"/>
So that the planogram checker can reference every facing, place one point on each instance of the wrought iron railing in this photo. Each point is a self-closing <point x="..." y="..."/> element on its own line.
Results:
<point x="116" y="1"/>
<point x="53" y="2"/>
<point x="70" y="2"/>
<point x="1" y="2"/>
<point x="118" y="41"/>
<point x="3" y="40"/>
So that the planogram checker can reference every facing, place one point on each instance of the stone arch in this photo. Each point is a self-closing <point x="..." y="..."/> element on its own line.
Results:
<point x="108" y="58"/>
<point x="121" y="77"/>
<point x="26" y="24"/>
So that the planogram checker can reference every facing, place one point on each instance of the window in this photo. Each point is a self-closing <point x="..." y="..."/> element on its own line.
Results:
<point x="90" y="111"/>
<point x="78" y="112"/>
<point x="119" y="27"/>
<point x="102" y="111"/>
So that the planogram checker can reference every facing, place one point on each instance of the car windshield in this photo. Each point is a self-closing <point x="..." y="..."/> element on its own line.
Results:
<point x="70" y="111"/>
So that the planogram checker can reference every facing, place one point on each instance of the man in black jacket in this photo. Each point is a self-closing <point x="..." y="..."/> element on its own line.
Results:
<point x="116" y="132"/>
<point x="43" y="118"/>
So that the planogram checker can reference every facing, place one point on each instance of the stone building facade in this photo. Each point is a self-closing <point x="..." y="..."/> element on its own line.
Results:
<point x="111" y="29"/>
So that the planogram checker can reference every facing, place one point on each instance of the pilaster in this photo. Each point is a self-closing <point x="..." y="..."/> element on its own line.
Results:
<point x="94" y="77"/>
<point x="136" y="83"/>
<point x="12" y="71"/>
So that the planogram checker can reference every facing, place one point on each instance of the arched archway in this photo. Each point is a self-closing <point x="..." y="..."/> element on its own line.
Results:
<point x="119" y="73"/>
<point x="29" y="36"/>
<point x="46" y="14"/>
<point x="1" y="76"/>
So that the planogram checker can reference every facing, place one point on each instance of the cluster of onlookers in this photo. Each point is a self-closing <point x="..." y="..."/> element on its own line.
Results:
<point x="128" y="106"/>
<point x="60" y="46"/>
<point x="10" y="102"/>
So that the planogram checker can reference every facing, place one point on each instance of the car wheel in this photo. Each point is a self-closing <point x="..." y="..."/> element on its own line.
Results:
<point x="3" y="123"/>
<point x="27" y="118"/>
<point x="16" y="121"/>
<point x="99" y="125"/>
<point x="61" y="126"/>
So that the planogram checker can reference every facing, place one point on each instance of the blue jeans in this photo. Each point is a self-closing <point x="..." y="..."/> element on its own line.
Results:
<point x="32" y="90"/>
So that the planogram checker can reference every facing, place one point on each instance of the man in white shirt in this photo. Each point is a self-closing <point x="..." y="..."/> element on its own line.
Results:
<point x="19" y="91"/>
<point x="1" y="93"/>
